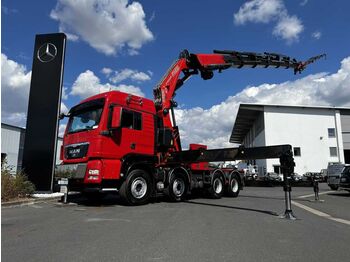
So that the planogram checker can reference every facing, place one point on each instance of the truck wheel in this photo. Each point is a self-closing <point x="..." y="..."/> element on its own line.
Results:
<point x="216" y="189"/>
<point x="233" y="186"/>
<point x="177" y="188"/>
<point x="334" y="187"/>
<point x="136" y="189"/>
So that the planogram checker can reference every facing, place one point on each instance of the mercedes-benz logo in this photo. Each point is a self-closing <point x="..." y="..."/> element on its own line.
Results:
<point x="47" y="52"/>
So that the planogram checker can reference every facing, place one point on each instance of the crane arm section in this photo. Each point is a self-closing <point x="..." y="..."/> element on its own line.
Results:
<point x="205" y="64"/>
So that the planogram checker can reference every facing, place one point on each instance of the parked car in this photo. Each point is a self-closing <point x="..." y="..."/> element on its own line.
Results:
<point x="334" y="171"/>
<point x="345" y="178"/>
<point x="273" y="177"/>
<point x="296" y="177"/>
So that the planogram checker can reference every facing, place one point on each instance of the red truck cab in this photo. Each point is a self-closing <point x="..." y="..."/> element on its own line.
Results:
<point x="93" y="148"/>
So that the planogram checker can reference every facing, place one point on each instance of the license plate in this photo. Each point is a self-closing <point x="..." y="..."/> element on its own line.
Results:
<point x="63" y="182"/>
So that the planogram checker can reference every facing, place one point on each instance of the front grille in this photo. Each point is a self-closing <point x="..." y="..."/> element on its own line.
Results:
<point x="71" y="171"/>
<point x="76" y="150"/>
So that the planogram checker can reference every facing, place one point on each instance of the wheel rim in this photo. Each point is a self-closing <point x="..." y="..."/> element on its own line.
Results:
<point x="178" y="187"/>
<point x="139" y="188"/>
<point x="217" y="185"/>
<point x="234" y="185"/>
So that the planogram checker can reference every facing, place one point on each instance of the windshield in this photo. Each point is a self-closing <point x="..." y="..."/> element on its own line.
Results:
<point x="85" y="116"/>
<point x="335" y="169"/>
<point x="346" y="170"/>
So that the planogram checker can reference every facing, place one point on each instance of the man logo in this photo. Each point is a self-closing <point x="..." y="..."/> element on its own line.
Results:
<point x="47" y="52"/>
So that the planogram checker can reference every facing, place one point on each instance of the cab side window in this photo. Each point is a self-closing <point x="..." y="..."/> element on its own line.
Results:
<point x="131" y="120"/>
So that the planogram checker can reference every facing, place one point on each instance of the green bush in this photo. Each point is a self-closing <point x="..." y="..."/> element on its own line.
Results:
<point x="14" y="185"/>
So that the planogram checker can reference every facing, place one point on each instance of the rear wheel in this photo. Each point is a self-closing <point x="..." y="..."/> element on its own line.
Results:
<point x="216" y="189"/>
<point x="177" y="188"/>
<point x="136" y="189"/>
<point x="233" y="186"/>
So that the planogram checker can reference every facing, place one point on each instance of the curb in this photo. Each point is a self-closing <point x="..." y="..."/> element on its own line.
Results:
<point x="26" y="202"/>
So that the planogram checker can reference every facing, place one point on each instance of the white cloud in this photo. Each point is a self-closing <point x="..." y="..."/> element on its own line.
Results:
<point x="317" y="35"/>
<point x="304" y="2"/>
<point x="61" y="130"/>
<point x="88" y="84"/>
<point x="15" y="85"/>
<point x="106" y="71"/>
<point x="108" y="26"/>
<point x="213" y="126"/>
<point x="265" y="11"/>
<point x="64" y="108"/>
<point x="8" y="11"/>
<point x="122" y="75"/>
<point x="258" y="11"/>
<point x="64" y="94"/>
<point x="289" y="28"/>
<point x="153" y="16"/>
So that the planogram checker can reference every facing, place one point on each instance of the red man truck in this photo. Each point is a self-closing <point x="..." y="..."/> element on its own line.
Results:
<point x="120" y="142"/>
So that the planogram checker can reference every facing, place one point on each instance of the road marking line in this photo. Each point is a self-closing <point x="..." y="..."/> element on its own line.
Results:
<point x="340" y="220"/>
<point x="311" y="195"/>
<point x="321" y="214"/>
<point x="97" y="219"/>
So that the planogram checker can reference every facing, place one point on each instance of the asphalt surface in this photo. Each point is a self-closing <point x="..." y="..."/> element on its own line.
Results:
<point x="246" y="228"/>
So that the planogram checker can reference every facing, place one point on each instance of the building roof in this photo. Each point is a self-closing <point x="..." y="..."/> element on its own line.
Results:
<point x="12" y="127"/>
<point x="248" y="113"/>
<point x="17" y="128"/>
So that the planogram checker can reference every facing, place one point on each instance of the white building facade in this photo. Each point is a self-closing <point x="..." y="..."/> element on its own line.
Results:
<point x="12" y="143"/>
<point x="318" y="135"/>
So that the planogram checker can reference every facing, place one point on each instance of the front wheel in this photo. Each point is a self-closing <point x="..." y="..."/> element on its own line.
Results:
<point x="136" y="189"/>
<point x="233" y="186"/>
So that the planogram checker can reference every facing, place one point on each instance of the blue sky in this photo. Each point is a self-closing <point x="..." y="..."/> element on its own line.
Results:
<point x="135" y="43"/>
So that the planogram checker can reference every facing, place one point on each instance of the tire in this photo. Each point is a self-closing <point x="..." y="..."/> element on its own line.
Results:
<point x="136" y="189"/>
<point x="334" y="187"/>
<point x="216" y="189"/>
<point x="233" y="186"/>
<point x="177" y="188"/>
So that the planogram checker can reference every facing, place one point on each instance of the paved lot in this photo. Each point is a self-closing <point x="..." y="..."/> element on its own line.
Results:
<point x="246" y="228"/>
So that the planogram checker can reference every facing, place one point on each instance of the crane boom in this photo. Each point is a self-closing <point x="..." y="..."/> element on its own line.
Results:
<point x="205" y="64"/>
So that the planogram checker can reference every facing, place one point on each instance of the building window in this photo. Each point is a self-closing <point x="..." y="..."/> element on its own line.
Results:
<point x="297" y="151"/>
<point x="331" y="132"/>
<point x="333" y="151"/>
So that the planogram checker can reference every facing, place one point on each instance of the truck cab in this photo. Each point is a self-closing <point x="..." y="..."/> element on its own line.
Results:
<point x="102" y="132"/>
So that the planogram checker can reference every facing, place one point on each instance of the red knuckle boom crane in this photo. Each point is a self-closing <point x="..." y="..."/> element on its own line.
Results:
<point x="120" y="142"/>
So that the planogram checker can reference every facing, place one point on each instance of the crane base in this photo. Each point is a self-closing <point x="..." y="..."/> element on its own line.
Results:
<point x="288" y="214"/>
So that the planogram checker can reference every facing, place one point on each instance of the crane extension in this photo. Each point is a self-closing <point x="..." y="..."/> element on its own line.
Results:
<point x="283" y="152"/>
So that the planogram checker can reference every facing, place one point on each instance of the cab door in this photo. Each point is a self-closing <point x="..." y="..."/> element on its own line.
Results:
<point x="137" y="132"/>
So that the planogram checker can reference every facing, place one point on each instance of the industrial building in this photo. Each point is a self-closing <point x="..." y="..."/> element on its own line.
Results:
<point x="12" y="143"/>
<point x="319" y="135"/>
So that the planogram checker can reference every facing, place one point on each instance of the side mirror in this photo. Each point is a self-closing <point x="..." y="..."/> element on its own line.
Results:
<point x="61" y="116"/>
<point x="116" y="117"/>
